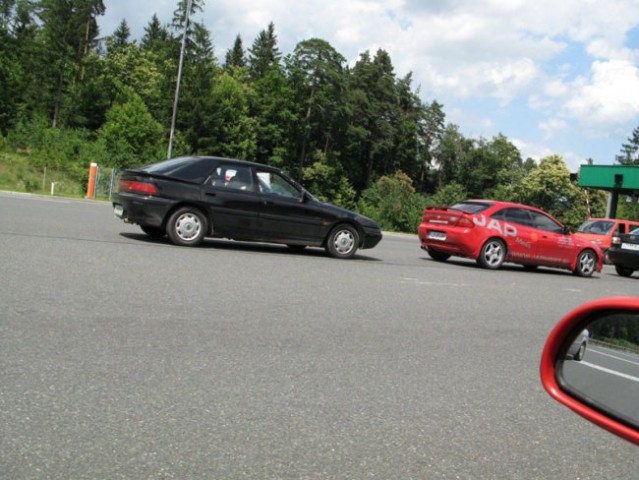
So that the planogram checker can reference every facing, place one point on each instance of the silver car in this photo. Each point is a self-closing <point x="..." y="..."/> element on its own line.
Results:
<point x="578" y="348"/>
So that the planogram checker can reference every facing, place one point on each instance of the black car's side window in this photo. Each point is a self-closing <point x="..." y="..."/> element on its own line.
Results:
<point x="242" y="180"/>
<point x="275" y="184"/>
<point x="233" y="177"/>
<point x="217" y="178"/>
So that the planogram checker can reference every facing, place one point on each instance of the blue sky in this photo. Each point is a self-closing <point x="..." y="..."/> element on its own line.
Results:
<point x="554" y="77"/>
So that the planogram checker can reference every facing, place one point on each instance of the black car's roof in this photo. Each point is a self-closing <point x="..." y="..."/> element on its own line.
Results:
<point x="195" y="169"/>
<point x="210" y="158"/>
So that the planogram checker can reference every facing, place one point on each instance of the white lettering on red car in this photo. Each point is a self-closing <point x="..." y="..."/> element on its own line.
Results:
<point x="507" y="230"/>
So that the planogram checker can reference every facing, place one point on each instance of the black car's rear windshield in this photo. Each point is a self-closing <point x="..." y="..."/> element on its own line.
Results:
<point x="472" y="207"/>
<point x="185" y="168"/>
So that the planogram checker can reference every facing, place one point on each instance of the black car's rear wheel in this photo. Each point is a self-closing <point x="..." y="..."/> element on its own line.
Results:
<point x="342" y="242"/>
<point x="187" y="226"/>
<point x="154" y="232"/>
<point x="492" y="254"/>
<point x="438" y="255"/>
<point x="586" y="263"/>
<point x="624" y="271"/>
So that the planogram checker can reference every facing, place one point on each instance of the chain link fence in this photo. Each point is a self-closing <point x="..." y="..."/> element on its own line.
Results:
<point x="105" y="179"/>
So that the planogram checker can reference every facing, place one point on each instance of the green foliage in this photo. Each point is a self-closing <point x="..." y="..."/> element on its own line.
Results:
<point x="272" y="105"/>
<point x="619" y="329"/>
<point x="131" y="135"/>
<point x="393" y="203"/>
<point x="231" y="131"/>
<point x="235" y="57"/>
<point x="630" y="150"/>
<point x="327" y="184"/>
<point x="129" y="69"/>
<point x="264" y="54"/>
<point x="63" y="158"/>
<point x="448" y="195"/>
<point x="549" y="187"/>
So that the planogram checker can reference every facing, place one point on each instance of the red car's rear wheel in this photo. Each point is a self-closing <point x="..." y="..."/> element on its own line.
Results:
<point x="493" y="254"/>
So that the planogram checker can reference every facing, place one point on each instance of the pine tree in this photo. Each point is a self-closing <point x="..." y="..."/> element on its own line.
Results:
<point x="264" y="54"/>
<point x="235" y="56"/>
<point x="64" y="27"/>
<point x="120" y="37"/>
<point x="630" y="150"/>
<point x="155" y="36"/>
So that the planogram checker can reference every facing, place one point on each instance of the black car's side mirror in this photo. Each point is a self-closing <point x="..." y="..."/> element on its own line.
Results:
<point x="590" y="363"/>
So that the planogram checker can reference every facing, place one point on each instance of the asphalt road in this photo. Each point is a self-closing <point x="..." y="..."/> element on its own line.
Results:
<point x="127" y="358"/>
<point x="608" y="376"/>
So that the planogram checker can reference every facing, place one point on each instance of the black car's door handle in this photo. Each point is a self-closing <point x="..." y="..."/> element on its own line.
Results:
<point x="211" y="194"/>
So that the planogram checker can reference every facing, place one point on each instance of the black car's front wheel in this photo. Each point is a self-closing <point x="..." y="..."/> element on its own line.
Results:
<point x="187" y="226"/>
<point x="342" y="242"/>
<point x="623" y="271"/>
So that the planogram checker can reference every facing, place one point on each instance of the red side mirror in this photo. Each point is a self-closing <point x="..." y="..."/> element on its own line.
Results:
<point x="590" y="363"/>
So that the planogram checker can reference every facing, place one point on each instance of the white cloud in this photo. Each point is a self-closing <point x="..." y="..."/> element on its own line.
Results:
<point x="609" y="97"/>
<point x="553" y="127"/>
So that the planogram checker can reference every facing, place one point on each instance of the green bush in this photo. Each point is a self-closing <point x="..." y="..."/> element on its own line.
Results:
<point x="393" y="203"/>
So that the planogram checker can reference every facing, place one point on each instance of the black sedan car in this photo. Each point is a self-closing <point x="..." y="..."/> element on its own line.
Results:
<point x="190" y="198"/>
<point x="624" y="253"/>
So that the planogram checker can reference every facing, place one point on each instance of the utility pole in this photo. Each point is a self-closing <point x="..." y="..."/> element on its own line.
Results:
<point x="179" y="77"/>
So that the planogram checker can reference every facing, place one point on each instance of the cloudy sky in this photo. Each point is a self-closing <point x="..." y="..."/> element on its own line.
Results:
<point x="555" y="77"/>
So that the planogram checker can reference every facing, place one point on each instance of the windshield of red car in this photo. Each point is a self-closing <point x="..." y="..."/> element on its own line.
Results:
<point x="600" y="227"/>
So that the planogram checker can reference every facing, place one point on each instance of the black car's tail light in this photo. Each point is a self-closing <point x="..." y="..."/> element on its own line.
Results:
<point x="137" y="187"/>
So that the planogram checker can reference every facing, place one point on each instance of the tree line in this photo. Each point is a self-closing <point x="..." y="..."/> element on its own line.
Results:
<point x="357" y="135"/>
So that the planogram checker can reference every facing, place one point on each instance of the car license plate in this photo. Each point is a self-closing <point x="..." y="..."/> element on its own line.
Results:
<point x="437" y="236"/>
<point x="630" y="246"/>
<point x="118" y="210"/>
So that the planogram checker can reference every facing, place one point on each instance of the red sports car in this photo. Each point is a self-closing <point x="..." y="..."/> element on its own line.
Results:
<point x="492" y="233"/>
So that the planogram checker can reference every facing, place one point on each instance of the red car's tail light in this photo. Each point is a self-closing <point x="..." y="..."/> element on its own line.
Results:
<point x="137" y="187"/>
<point x="465" y="222"/>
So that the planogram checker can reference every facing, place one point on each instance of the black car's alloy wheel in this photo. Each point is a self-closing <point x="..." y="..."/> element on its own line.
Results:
<point x="342" y="242"/>
<point x="187" y="226"/>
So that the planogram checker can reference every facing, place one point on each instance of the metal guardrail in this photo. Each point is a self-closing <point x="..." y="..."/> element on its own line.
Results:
<point x="615" y="346"/>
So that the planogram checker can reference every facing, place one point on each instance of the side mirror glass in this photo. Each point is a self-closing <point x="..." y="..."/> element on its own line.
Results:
<point x="591" y="364"/>
<point x="601" y="365"/>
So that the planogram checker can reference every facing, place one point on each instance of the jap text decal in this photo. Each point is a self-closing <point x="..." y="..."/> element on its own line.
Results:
<point x="507" y="230"/>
